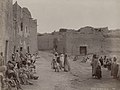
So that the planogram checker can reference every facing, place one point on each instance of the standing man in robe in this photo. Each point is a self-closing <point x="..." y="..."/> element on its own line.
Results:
<point x="95" y="63"/>
<point x="66" y="64"/>
<point x="114" y="68"/>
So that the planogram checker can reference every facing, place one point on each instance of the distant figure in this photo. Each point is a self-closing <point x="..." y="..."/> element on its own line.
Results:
<point x="55" y="64"/>
<point x="33" y="58"/>
<point x="98" y="71"/>
<point x="96" y="67"/>
<point x="104" y="61"/>
<point x="114" y="68"/>
<point x="21" y="55"/>
<point x="109" y="62"/>
<point x="101" y="61"/>
<point x="62" y="60"/>
<point x="75" y="58"/>
<point x="66" y="64"/>
<point x="17" y="59"/>
<point x="1" y="59"/>
<point x="59" y="62"/>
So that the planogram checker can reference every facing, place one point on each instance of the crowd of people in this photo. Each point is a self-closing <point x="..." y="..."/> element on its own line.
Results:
<point x="60" y="62"/>
<point x="104" y="62"/>
<point x="20" y="70"/>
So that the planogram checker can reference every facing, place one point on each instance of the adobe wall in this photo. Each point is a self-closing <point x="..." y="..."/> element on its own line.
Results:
<point x="25" y="29"/>
<point x="112" y="43"/>
<point x="45" y="42"/>
<point x="33" y="36"/>
<point x="6" y="31"/>
<point x="97" y="40"/>
<point x="17" y="20"/>
<point x="93" y="42"/>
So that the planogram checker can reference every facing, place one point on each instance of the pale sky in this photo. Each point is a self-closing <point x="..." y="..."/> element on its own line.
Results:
<point x="73" y="14"/>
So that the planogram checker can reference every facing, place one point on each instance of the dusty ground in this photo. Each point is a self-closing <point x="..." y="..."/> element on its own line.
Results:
<point x="78" y="79"/>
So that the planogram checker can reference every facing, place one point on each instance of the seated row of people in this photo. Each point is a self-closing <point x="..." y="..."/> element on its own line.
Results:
<point x="21" y="69"/>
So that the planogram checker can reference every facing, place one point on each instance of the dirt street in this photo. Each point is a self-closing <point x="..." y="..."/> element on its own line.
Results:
<point x="79" y="78"/>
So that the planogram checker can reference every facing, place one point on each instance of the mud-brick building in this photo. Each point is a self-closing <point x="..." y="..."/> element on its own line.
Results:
<point x="46" y="41"/>
<point x="25" y="30"/>
<point x="86" y="40"/>
<point x="112" y="42"/>
<point x="6" y="25"/>
<point x="33" y="36"/>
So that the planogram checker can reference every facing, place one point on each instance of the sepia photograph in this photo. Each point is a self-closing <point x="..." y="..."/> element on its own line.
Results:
<point x="59" y="44"/>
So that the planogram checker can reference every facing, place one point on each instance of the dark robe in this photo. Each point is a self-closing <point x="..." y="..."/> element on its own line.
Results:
<point x="101" y="61"/>
<point x="94" y="64"/>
